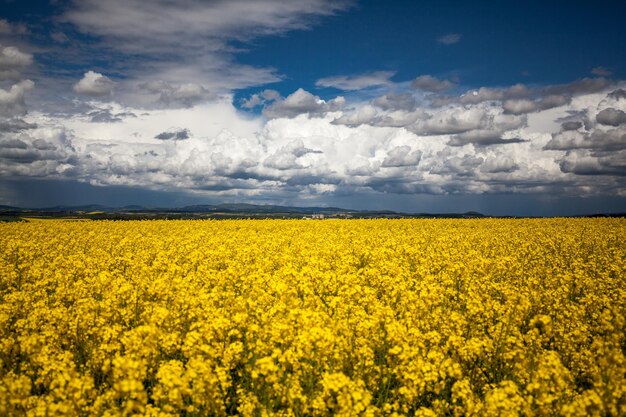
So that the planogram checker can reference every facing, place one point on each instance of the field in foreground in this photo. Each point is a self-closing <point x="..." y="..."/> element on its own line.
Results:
<point x="359" y="317"/>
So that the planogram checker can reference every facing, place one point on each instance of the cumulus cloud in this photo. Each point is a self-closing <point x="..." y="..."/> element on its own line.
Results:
<point x="449" y="39"/>
<point x="451" y="120"/>
<point x="363" y="115"/>
<point x="523" y="106"/>
<point x="585" y="162"/>
<point x="395" y="101"/>
<point x="402" y="156"/>
<point x="38" y="152"/>
<point x="12" y="101"/>
<point x="356" y="82"/>
<point x="517" y="91"/>
<point x="261" y="98"/>
<point x="94" y="84"/>
<point x="12" y="62"/>
<point x="432" y="84"/>
<point x="494" y="165"/>
<point x="310" y="146"/>
<point x="611" y="117"/>
<point x="300" y="102"/>
<point x="185" y="95"/>
<point x="605" y="140"/>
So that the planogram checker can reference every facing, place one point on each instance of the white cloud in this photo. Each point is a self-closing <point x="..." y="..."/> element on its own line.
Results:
<point x="311" y="146"/>
<point x="363" y="115"/>
<point x="94" y="84"/>
<point x="147" y="36"/>
<point x="12" y="101"/>
<point x="12" y="61"/>
<point x="357" y="82"/>
<point x="300" y="102"/>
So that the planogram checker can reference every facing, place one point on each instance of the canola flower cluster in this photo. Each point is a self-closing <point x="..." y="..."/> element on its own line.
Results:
<point x="481" y="317"/>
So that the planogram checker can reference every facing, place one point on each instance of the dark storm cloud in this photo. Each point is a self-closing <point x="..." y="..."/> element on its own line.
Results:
<point x="584" y="162"/>
<point x="106" y="116"/>
<point x="605" y="140"/>
<point x="611" y="117"/>
<point x="617" y="94"/>
<point x="571" y="125"/>
<point x="174" y="134"/>
<point x="482" y="137"/>
<point x="15" y="125"/>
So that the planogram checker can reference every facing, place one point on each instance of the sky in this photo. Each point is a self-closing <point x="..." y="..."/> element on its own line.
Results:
<point x="414" y="106"/>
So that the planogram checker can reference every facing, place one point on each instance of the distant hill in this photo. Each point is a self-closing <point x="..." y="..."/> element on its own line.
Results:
<point x="228" y="210"/>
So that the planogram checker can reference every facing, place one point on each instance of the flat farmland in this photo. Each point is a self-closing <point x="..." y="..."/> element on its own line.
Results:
<point x="485" y="317"/>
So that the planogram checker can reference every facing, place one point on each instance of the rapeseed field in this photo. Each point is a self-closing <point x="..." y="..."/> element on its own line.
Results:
<point x="481" y="317"/>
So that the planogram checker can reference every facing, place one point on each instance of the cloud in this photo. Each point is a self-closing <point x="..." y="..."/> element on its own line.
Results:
<point x="584" y="162"/>
<point x="364" y="115"/>
<point x="517" y="91"/>
<point x="599" y="140"/>
<point x="395" y="101"/>
<point x="260" y="98"/>
<point x="185" y="95"/>
<point x="571" y="125"/>
<point x="12" y="101"/>
<point x="9" y="28"/>
<point x="431" y="84"/>
<point x="306" y="147"/>
<point x="482" y="137"/>
<point x="523" y="106"/>
<point x="402" y="156"/>
<point x="601" y="71"/>
<point x="107" y="116"/>
<point x="294" y="155"/>
<point x="582" y="86"/>
<point x="618" y="94"/>
<point x="38" y="153"/>
<point x="449" y="39"/>
<point x="94" y="84"/>
<point x="175" y="133"/>
<point x="12" y="61"/>
<point x="146" y="38"/>
<point x="59" y="37"/>
<point x="494" y="165"/>
<point x="611" y="117"/>
<point x="451" y="121"/>
<point x="15" y="125"/>
<point x="300" y="102"/>
<point x="356" y="82"/>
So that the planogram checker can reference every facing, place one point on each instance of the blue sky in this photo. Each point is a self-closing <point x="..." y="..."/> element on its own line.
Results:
<point x="443" y="106"/>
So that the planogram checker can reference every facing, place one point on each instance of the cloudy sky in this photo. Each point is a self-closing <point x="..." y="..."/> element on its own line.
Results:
<point x="429" y="106"/>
